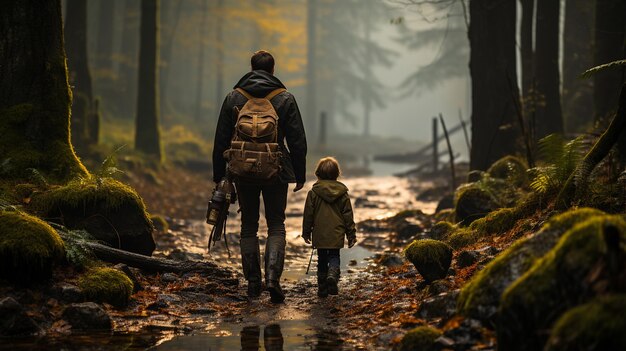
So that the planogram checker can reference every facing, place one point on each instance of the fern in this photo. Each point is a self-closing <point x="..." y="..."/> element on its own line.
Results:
<point x="76" y="251"/>
<point x="592" y="71"/>
<point x="561" y="158"/>
<point x="108" y="168"/>
<point x="37" y="178"/>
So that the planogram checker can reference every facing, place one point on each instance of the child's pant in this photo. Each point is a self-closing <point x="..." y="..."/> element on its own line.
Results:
<point x="327" y="258"/>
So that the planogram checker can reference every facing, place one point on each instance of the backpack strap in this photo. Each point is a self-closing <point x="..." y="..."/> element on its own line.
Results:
<point x="271" y="95"/>
<point x="245" y="93"/>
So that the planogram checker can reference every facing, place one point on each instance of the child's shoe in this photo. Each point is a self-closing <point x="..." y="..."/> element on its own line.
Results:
<point x="332" y="280"/>
<point x="322" y="288"/>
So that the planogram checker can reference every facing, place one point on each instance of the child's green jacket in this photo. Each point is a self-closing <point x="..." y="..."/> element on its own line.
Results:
<point x="328" y="217"/>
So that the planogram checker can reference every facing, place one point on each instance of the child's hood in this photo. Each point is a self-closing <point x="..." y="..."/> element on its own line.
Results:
<point x="329" y="190"/>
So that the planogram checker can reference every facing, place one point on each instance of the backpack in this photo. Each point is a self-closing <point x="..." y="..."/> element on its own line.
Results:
<point x="254" y="154"/>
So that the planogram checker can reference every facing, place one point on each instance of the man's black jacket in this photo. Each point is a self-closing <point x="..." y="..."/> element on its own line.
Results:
<point x="290" y="128"/>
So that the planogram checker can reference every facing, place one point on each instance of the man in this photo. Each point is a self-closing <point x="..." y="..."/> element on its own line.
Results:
<point x="259" y="83"/>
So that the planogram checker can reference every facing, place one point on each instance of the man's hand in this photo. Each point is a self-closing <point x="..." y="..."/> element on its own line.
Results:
<point x="351" y="241"/>
<point x="307" y="238"/>
<point x="298" y="187"/>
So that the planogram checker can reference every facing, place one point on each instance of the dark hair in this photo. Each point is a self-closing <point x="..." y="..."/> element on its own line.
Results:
<point x="262" y="60"/>
<point x="327" y="169"/>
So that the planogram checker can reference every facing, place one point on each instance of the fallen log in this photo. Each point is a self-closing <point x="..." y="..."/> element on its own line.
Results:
<point x="155" y="264"/>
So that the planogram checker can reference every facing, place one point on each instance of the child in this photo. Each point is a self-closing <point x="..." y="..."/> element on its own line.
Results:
<point x="327" y="220"/>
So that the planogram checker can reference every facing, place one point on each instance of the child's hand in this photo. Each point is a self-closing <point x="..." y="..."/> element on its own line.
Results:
<point x="351" y="241"/>
<point x="307" y="238"/>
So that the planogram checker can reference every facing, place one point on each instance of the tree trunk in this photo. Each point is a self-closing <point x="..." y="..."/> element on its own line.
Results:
<point x="577" y="93"/>
<point x="35" y="98"/>
<point x="311" y="87"/>
<point x="105" y="36"/>
<point x="527" y="52"/>
<point x="549" y="118"/>
<point x="577" y="180"/>
<point x="147" y="134"/>
<point x="154" y="264"/>
<point x="128" y="65"/>
<point x="367" y="101"/>
<point x="219" y="59"/>
<point x="78" y="71"/>
<point x="173" y="17"/>
<point x="200" y="79"/>
<point x="495" y="131"/>
<point x="609" y="46"/>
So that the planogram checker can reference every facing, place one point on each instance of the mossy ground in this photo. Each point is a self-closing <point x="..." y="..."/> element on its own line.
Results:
<point x="421" y="338"/>
<point x="486" y="287"/>
<point x="553" y="284"/>
<point x="29" y="247"/>
<point x="108" y="285"/>
<point x="597" y="325"/>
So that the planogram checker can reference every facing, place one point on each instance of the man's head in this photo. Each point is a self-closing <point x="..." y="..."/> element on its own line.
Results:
<point x="262" y="60"/>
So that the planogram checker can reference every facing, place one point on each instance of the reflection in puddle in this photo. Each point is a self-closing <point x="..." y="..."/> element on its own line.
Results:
<point x="286" y="335"/>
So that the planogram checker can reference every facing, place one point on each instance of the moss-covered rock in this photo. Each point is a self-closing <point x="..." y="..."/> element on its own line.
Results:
<point x="108" y="285"/>
<point x="497" y="222"/>
<point x="473" y="202"/>
<point x="480" y="298"/>
<point x="555" y="283"/>
<point x="29" y="248"/>
<point x="421" y="338"/>
<point x="431" y="258"/>
<point x="510" y="168"/>
<point x="462" y="237"/>
<point x="441" y="230"/>
<point x="597" y="325"/>
<point x="104" y="207"/>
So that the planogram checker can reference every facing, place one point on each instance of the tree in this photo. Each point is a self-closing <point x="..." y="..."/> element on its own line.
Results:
<point x="200" y="79"/>
<point x="549" y="118"/>
<point x="147" y="134"/>
<point x="609" y="46"/>
<point x="171" y="17"/>
<point x="311" y="72"/>
<point x="527" y="51"/>
<point x="35" y="99"/>
<point x="79" y="75"/>
<point x="219" y="56"/>
<point x="495" y="130"/>
<point x="105" y="36"/>
<point x="577" y="93"/>
<point x="128" y="61"/>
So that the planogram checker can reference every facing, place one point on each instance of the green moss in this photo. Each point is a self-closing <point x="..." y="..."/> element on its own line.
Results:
<point x="510" y="168"/>
<point x="421" y="338"/>
<point x="472" y="202"/>
<point x="598" y="325"/>
<point x="462" y="237"/>
<point x="481" y="296"/>
<point x="553" y="284"/>
<point x="53" y="156"/>
<point x="441" y="230"/>
<point x="81" y="193"/>
<point x="497" y="222"/>
<point x="160" y="223"/>
<point x="106" y="285"/>
<point x="445" y="215"/>
<point x="28" y="247"/>
<point x="431" y="258"/>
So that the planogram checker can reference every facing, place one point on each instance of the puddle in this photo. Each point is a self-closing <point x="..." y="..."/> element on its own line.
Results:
<point x="284" y="335"/>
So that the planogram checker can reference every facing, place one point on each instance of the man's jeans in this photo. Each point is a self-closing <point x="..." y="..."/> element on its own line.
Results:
<point x="327" y="258"/>
<point x="275" y="201"/>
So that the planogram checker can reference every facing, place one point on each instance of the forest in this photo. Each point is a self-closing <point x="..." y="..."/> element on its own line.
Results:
<point x="435" y="174"/>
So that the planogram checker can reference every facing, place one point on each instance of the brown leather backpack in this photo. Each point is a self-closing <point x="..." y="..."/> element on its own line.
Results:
<point x="254" y="154"/>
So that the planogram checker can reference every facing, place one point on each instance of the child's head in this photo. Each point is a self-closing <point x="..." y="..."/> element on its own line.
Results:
<point x="327" y="169"/>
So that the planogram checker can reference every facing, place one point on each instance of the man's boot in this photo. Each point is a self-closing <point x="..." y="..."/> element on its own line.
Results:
<point x="322" y="286"/>
<point x="274" y="261"/>
<point x="251" y="262"/>
<point x="332" y="280"/>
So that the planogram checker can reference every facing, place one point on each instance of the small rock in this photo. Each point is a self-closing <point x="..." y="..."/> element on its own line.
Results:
<point x="168" y="298"/>
<point x="14" y="320"/>
<point x="124" y="268"/>
<point x="68" y="293"/>
<point x="440" y="306"/>
<point x="169" y="277"/>
<point x="157" y="305"/>
<point x="179" y="255"/>
<point x="439" y="286"/>
<point x="87" y="316"/>
<point x="447" y="201"/>
<point x="390" y="260"/>
<point x="408" y="228"/>
<point x="467" y="334"/>
<point x="466" y="258"/>
<point x="352" y="263"/>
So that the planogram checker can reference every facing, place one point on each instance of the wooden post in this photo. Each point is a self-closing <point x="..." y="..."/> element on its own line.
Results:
<point x="452" y="170"/>
<point x="435" y="146"/>
<point x="322" y="131"/>
<point x="467" y="140"/>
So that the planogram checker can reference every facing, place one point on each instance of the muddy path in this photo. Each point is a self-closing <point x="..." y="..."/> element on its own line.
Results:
<point x="304" y="321"/>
